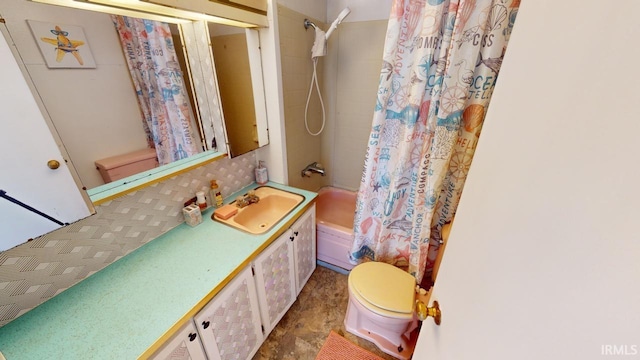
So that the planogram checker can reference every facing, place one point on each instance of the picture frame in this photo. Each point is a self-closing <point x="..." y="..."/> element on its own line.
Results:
<point x="62" y="45"/>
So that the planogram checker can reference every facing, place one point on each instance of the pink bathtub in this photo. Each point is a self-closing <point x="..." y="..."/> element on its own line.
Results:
<point x="335" y="209"/>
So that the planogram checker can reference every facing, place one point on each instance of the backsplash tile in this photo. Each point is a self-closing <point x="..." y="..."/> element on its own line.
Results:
<point x="37" y="270"/>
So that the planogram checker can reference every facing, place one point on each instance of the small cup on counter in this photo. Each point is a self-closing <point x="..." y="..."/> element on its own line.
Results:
<point x="192" y="215"/>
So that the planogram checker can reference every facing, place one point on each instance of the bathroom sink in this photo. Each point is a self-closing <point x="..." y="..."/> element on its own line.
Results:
<point x="260" y="217"/>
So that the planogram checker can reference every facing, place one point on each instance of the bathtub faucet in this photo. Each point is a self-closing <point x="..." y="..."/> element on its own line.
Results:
<point x="314" y="167"/>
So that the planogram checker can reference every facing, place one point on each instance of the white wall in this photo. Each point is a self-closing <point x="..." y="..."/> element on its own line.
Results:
<point x="542" y="260"/>
<point x="274" y="154"/>
<point x="361" y="10"/>
<point x="313" y="8"/>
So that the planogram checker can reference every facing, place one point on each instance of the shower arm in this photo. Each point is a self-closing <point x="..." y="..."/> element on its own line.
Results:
<point x="334" y="25"/>
<point x="308" y="23"/>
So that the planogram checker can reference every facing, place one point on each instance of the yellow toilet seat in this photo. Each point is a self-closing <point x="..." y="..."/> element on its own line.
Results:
<point x="384" y="289"/>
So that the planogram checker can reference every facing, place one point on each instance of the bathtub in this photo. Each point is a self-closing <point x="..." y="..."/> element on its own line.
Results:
<point x="335" y="210"/>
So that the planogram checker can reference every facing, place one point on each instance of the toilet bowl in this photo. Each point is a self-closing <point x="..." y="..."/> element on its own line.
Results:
<point x="382" y="302"/>
<point x="381" y="307"/>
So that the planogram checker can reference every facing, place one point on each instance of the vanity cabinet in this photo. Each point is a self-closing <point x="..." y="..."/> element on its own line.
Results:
<point x="236" y="321"/>
<point x="229" y="325"/>
<point x="304" y="247"/>
<point x="283" y="268"/>
<point x="275" y="281"/>
<point x="185" y="344"/>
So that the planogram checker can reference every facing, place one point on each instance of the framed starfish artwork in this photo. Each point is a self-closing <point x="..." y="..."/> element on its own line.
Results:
<point x="62" y="46"/>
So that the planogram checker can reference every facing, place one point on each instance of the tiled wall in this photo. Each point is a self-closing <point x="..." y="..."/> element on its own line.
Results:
<point x="348" y="77"/>
<point x="297" y="69"/>
<point x="37" y="270"/>
<point x="359" y="61"/>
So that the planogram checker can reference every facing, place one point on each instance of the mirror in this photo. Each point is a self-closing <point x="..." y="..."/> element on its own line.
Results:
<point x="95" y="111"/>
<point x="233" y="69"/>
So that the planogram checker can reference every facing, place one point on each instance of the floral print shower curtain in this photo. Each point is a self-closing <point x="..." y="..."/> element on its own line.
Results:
<point x="440" y="65"/>
<point x="159" y="85"/>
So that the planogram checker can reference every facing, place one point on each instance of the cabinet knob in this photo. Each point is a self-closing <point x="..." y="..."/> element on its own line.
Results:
<point x="295" y="233"/>
<point x="192" y="336"/>
<point x="291" y="238"/>
<point x="53" y="164"/>
<point x="205" y="324"/>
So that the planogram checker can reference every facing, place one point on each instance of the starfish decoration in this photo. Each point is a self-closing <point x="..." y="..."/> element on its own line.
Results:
<point x="376" y="187"/>
<point x="404" y="253"/>
<point x="64" y="45"/>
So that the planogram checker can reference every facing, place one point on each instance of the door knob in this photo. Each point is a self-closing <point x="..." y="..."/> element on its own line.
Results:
<point x="425" y="312"/>
<point x="53" y="164"/>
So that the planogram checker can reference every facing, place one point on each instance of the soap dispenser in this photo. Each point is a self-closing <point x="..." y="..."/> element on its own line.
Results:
<point x="262" y="177"/>
<point x="216" y="196"/>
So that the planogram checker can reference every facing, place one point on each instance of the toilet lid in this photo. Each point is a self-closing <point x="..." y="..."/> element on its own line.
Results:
<point x="384" y="286"/>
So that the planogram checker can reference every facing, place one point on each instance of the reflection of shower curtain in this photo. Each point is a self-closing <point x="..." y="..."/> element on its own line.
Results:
<point x="160" y="87"/>
<point x="441" y="60"/>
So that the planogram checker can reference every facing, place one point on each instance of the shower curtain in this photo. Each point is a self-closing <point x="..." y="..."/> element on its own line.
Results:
<point x="440" y="64"/>
<point x="159" y="85"/>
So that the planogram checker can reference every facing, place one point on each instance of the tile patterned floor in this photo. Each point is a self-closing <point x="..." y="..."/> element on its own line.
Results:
<point x="319" y="309"/>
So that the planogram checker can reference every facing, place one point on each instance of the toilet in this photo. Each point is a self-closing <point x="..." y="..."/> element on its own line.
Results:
<point x="381" y="305"/>
<point x="120" y="166"/>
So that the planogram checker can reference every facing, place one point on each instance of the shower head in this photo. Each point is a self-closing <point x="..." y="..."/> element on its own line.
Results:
<point x="343" y="14"/>
<point x="320" y="44"/>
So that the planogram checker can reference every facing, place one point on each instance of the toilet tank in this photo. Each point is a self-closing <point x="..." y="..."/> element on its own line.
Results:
<point x="120" y="166"/>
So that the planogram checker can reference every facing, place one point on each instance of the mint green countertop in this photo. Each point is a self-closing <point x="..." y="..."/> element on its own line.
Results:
<point x="122" y="310"/>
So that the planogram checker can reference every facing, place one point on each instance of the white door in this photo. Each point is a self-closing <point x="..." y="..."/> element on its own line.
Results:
<point x="27" y="146"/>
<point x="543" y="260"/>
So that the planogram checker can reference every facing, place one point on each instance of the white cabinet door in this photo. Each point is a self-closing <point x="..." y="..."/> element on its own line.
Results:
<point x="230" y="325"/>
<point x="304" y="247"/>
<point x="275" y="281"/>
<point x="185" y="344"/>
<point x="27" y="147"/>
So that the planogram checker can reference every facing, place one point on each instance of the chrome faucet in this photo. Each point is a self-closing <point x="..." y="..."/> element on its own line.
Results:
<point x="249" y="198"/>
<point x="314" y="167"/>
